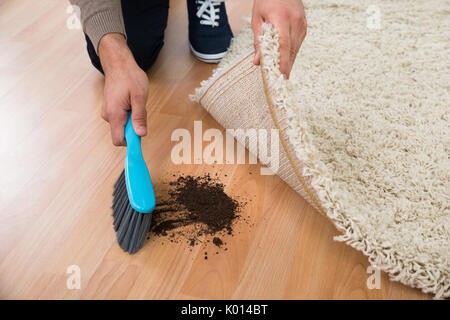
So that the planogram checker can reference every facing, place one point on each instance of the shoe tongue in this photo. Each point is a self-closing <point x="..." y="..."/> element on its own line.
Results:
<point x="207" y="7"/>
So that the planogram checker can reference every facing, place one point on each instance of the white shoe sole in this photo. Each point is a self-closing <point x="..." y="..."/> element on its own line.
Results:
<point x="208" y="58"/>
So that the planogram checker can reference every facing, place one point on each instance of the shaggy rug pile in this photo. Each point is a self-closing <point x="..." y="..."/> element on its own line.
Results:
<point x="364" y="125"/>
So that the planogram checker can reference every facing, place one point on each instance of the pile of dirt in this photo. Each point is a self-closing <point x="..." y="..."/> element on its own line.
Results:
<point x="196" y="210"/>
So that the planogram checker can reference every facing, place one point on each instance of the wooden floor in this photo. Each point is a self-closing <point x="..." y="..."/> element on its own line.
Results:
<point x="59" y="166"/>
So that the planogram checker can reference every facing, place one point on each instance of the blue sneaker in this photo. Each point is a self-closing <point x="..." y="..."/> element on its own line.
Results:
<point x="209" y="31"/>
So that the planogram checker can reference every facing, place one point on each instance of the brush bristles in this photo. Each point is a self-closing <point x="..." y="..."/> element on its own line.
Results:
<point x="131" y="226"/>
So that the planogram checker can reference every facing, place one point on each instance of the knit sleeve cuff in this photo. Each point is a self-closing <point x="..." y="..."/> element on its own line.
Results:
<point x="102" y="23"/>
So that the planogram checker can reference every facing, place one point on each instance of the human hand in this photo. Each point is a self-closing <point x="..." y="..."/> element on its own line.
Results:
<point x="126" y="88"/>
<point x="288" y="18"/>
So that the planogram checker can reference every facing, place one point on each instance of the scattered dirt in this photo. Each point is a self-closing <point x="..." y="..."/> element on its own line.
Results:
<point x="217" y="241"/>
<point x="197" y="210"/>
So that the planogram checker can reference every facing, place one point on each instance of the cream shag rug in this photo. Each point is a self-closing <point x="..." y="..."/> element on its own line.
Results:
<point x="364" y="125"/>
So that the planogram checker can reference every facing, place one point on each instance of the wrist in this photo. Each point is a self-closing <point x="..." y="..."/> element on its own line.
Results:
<point x="113" y="52"/>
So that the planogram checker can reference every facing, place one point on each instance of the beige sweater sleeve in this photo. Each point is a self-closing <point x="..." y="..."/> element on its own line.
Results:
<point x="100" y="17"/>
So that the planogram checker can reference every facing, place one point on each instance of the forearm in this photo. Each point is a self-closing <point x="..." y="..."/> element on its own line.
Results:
<point x="114" y="53"/>
<point x="100" y="17"/>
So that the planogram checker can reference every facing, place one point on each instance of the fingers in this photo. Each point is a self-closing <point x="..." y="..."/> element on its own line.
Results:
<point x="285" y="46"/>
<point x="257" y="31"/>
<point x="117" y="118"/>
<point x="288" y="18"/>
<point x="139" y="113"/>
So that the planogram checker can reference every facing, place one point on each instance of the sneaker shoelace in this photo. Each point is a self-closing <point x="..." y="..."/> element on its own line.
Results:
<point x="208" y="11"/>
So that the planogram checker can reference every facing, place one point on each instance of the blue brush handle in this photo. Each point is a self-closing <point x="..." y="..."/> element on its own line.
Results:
<point x="137" y="178"/>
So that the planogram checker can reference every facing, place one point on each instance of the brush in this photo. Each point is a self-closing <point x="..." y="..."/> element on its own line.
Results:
<point x="133" y="196"/>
